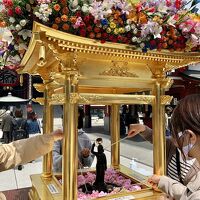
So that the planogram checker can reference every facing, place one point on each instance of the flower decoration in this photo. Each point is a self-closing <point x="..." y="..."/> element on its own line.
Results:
<point x="112" y="177"/>
<point x="147" y="25"/>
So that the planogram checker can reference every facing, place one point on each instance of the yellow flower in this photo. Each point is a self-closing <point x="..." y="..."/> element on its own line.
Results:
<point x="112" y="25"/>
<point x="108" y="30"/>
<point x="196" y="18"/>
<point x="121" y="30"/>
<point x="116" y="31"/>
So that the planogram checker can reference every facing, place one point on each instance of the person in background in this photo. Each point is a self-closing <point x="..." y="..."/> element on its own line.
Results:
<point x="185" y="123"/>
<point x="23" y="151"/>
<point x="19" y="122"/>
<point x="33" y="126"/>
<point x="168" y="112"/>
<point x="19" y="130"/>
<point x="7" y="127"/>
<point x="84" y="147"/>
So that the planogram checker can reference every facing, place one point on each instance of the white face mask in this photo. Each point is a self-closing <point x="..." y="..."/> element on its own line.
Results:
<point x="186" y="149"/>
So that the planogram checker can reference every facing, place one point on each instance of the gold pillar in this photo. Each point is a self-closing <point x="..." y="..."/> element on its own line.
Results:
<point x="47" y="128"/>
<point x="70" y="149"/>
<point x="115" y="136"/>
<point x="158" y="131"/>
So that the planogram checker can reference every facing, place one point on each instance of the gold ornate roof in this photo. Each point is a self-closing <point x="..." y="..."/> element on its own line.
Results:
<point x="52" y="53"/>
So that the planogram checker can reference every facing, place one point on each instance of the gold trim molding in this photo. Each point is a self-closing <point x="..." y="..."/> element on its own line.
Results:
<point x="105" y="99"/>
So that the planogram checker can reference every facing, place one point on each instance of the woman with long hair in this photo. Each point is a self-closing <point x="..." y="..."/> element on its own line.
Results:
<point x="185" y="124"/>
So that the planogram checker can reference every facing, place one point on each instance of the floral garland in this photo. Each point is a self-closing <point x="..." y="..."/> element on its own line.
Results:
<point x="147" y="25"/>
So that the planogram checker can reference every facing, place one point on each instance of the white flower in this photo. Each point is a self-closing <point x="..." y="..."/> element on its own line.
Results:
<point x="135" y="31"/>
<point x="162" y="7"/>
<point x="142" y="45"/>
<point x="171" y="21"/>
<point x="151" y="28"/>
<point x="128" y="21"/>
<point x="18" y="27"/>
<point x="12" y="20"/>
<point x="16" y="47"/>
<point x="25" y="33"/>
<point x="7" y="36"/>
<point x="134" y="39"/>
<point x="85" y="8"/>
<point x="127" y="28"/>
<point x="22" y="22"/>
<point x="133" y="26"/>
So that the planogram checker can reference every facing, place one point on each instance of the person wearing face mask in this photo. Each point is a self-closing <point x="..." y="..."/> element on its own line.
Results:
<point x="179" y="169"/>
<point x="185" y="124"/>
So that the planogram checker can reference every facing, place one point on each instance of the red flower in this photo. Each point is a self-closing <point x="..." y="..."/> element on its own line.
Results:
<point x="64" y="18"/>
<point x="63" y="2"/>
<point x="178" y="4"/>
<point x="8" y="3"/>
<point x="82" y="32"/>
<point x="86" y="19"/>
<point x="92" y="35"/>
<point x="18" y="10"/>
<point x="65" y="27"/>
<point x="65" y="10"/>
<point x="104" y="35"/>
<point x="55" y="26"/>
<point x="153" y="43"/>
<point x="78" y="13"/>
<point x="152" y="9"/>
<point x="168" y="3"/>
<point x="111" y="37"/>
<point x="89" y="28"/>
<point x="97" y="29"/>
<point x="119" y="38"/>
<point x="56" y="7"/>
<point x="57" y="20"/>
<point x="98" y="35"/>
<point x="103" y="41"/>
<point x="10" y="12"/>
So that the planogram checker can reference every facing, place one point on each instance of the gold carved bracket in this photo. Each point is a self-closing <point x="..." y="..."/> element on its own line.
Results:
<point x="39" y="100"/>
<point x="166" y="99"/>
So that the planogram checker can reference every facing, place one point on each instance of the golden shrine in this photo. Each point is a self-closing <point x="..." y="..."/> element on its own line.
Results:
<point x="77" y="70"/>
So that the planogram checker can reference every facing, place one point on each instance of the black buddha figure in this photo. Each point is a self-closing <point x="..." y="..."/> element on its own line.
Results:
<point x="101" y="166"/>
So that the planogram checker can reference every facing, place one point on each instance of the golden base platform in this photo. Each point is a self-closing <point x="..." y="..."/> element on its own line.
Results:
<point x="40" y="191"/>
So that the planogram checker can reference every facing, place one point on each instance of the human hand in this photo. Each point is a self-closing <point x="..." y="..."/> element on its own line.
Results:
<point x="57" y="134"/>
<point x="153" y="181"/>
<point x="85" y="152"/>
<point x="135" y="129"/>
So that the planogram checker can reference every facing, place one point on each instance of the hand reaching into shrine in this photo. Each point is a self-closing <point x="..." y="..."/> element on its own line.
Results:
<point x="135" y="129"/>
<point x="57" y="134"/>
<point x="153" y="181"/>
<point x="85" y="152"/>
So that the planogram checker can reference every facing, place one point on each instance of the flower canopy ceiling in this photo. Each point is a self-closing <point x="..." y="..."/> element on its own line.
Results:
<point x="172" y="25"/>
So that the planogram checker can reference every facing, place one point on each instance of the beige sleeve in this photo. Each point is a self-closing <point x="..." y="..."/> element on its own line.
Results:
<point x="171" y="187"/>
<point x="23" y="151"/>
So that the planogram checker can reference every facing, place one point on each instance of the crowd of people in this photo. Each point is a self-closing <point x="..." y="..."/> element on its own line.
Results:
<point x="15" y="126"/>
